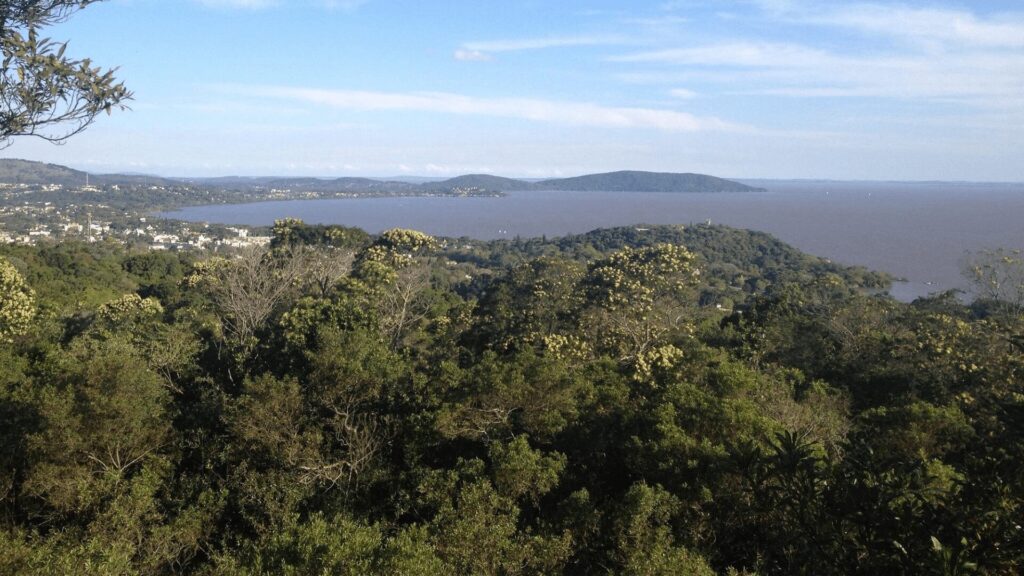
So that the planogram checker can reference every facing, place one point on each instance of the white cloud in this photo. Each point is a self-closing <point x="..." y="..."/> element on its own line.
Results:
<point x="939" y="54"/>
<point x="683" y="93"/>
<point x="542" y="43"/>
<point x="740" y="54"/>
<point x="938" y="27"/>
<point x="472" y="55"/>
<point x="978" y="77"/>
<point x="435" y="169"/>
<point x="549" y="111"/>
<point x="484" y="51"/>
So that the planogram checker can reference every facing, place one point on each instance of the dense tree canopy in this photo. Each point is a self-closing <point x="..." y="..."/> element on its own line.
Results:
<point x="345" y="404"/>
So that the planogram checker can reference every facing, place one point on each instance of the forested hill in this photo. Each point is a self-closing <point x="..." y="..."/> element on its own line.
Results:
<point x="37" y="173"/>
<point x="353" y="185"/>
<point x="622" y="181"/>
<point x="736" y="264"/>
<point x="484" y="181"/>
<point x="634" y="181"/>
<point x="14" y="171"/>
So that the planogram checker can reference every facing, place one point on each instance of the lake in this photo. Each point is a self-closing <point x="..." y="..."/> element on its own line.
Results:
<point x="917" y="231"/>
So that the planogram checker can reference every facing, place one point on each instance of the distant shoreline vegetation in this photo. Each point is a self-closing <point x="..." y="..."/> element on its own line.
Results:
<point x="234" y="189"/>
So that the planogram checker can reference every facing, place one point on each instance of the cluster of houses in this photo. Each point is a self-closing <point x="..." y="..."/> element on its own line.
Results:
<point x="42" y="222"/>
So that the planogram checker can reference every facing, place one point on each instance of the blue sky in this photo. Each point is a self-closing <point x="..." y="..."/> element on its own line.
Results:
<point x="736" y="88"/>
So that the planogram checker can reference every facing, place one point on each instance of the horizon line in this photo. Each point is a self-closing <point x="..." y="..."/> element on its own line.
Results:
<point x="399" y="177"/>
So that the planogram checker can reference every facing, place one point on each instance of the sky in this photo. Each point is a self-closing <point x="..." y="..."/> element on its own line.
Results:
<point x="915" y="90"/>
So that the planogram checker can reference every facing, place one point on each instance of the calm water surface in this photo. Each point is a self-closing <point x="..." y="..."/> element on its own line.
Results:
<point x="920" y="232"/>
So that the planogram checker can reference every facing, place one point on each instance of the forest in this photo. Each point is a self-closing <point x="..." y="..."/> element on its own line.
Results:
<point x="644" y="400"/>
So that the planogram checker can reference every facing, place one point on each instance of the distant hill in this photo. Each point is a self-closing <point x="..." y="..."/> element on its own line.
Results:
<point x="484" y="181"/>
<point x="133" y="180"/>
<point x="37" y="173"/>
<point x="239" y="182"/>
<point x="625" y="181"/>
<point x="352" y="185"/>
<point x="13" y="171"/>
<point x="28" y="172"/>
<point x="633" y="181"/>
<point x="307" y="184"/>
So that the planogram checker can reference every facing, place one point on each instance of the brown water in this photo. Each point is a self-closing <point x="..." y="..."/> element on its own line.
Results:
<point x="918" y="231"/>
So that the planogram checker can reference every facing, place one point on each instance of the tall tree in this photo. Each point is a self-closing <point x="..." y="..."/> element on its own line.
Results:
<point x="998" y="276"/>
<point x="17" y="302"/>
<point x="44" y="93"/>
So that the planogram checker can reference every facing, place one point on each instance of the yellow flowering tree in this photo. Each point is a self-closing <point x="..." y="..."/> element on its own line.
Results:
<point x="638" y="296"/>
<point x="396" y="269"/>
<point x="17" y="303"/>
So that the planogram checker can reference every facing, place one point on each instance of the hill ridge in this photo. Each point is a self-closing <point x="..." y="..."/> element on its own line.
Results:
<point x="15" y="171"/>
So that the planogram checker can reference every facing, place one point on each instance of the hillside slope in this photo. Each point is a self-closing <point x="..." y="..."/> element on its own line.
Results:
<point x="636" y="181"/>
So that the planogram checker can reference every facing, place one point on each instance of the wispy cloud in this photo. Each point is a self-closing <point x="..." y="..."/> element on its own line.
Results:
<point x="472" y="55"/>
<point x="907" y="52"/>
<point x="793" y="70"/>
<point x="737" y="54"/>
<point x="484" y="50"/>
<point x="938" y="27"/>
<point x="547" y="111"/>
<point x="541" y="43"/>
<point x="683" y="93"/>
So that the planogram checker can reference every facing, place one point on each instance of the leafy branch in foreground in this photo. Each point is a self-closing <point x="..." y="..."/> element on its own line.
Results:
<point x="44" y="93"/>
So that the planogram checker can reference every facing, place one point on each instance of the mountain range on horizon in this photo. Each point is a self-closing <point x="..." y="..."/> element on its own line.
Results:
<point x="15" y="171"/>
